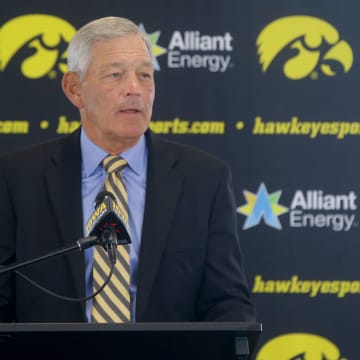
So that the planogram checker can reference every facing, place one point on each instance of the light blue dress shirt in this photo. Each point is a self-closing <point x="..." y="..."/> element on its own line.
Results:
<point x="92" y="181"/>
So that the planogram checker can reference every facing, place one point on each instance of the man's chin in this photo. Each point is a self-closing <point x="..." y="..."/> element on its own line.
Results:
<point x="127" y="134"/>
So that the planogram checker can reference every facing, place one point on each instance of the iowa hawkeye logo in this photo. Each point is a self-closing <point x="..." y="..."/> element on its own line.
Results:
<point x="42" y="39"/>
<point x="309" y="45"/>
<point x="299" y="346"/>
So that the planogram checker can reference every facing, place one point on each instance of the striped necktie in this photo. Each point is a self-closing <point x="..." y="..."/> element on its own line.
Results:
<point x="112" y="304"/>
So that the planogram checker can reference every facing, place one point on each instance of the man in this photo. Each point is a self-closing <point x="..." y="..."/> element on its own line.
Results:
<point x="185" y="259"/>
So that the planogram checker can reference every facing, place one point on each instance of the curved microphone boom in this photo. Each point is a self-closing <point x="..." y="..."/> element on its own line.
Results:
<point x="106" y="227"/>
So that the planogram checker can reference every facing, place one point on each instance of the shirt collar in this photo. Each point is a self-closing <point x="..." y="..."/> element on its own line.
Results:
<point x="137" y="156"/>
<point x="93" y="155"/>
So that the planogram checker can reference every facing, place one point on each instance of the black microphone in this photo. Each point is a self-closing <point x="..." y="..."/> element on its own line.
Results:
<point x="108" y="219"/>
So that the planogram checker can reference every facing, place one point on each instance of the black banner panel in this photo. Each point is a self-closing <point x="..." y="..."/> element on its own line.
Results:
<point x="272" y="87"/>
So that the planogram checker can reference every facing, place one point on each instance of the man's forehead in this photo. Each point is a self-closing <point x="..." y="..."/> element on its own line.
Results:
<point x="122" y="46"/>
<point x="126" y="41"/>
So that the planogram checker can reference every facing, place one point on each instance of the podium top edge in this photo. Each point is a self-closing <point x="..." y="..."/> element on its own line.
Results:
<point x="145" y="326"/>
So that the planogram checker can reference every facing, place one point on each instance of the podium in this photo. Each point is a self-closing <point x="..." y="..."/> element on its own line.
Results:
<point x="180" y="341"/>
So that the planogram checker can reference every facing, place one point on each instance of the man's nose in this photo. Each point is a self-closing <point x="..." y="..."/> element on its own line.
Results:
<point x="132" y="85"/>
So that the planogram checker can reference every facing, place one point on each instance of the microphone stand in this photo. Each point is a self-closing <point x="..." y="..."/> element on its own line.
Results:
<point x="81" y="244"/>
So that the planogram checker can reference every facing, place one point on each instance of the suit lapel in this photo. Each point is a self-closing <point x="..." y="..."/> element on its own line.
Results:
<point x="163" y="189"/>
<point x="63" y="180"/>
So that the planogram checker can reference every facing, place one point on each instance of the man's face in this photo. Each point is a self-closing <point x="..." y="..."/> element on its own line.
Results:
<point x="117" y="92"/>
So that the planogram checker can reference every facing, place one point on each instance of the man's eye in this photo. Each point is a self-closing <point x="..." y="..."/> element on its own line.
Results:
<point x="146" y="75"/>
<point x="115" y="75"/>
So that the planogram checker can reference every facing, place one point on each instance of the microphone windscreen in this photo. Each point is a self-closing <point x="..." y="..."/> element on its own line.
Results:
<point x="107" y="214"/>
<point x="101" y="197"/>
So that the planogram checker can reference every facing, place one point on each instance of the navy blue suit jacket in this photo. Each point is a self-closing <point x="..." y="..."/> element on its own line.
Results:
<point x="190" y="266"/>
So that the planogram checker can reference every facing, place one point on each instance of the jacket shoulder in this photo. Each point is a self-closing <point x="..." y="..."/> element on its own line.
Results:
<point x="187" y="153"/>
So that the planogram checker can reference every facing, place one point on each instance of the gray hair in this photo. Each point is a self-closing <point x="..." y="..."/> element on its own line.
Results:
<point x="105" y="28"/>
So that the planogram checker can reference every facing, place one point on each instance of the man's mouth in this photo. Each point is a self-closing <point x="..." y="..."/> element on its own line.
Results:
<point x="130" y="110"/>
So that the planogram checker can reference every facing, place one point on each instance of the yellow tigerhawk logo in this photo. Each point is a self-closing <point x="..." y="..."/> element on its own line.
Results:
<point x="43" y="38"/>
<point x="316" y="43"/>
<point x="299" y="346"/>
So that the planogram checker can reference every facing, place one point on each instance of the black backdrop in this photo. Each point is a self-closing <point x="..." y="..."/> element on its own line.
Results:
<point x="287" y="122"/>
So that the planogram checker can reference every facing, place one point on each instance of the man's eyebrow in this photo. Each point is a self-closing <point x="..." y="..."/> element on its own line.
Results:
<point x="147" y="63"/>
<point x="115" y="65"/>
<point x="120" y="65"/>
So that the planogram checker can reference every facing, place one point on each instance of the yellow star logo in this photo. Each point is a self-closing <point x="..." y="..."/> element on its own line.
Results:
<point x="157" y="49"/>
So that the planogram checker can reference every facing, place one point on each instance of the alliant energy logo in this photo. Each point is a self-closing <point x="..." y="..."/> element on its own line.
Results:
<point x="262" y="206"/>
<point x="299" y="346"/>
<point x="41" y="40"/>
<point x="192" y="49"/>
<point x="316" y="44"/>
<point x="308" y="209"/>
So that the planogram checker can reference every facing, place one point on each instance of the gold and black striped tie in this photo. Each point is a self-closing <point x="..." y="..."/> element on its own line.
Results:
<point x="112" y="304"/>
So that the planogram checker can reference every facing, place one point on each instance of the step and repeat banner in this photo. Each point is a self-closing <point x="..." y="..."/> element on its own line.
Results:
<point x="272" y="87"/>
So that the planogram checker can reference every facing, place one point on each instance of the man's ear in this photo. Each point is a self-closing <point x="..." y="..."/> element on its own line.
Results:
<point x="72" y="89"/>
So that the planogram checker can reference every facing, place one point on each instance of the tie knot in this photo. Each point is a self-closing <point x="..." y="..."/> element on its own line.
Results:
<point x="114" y="163"/>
